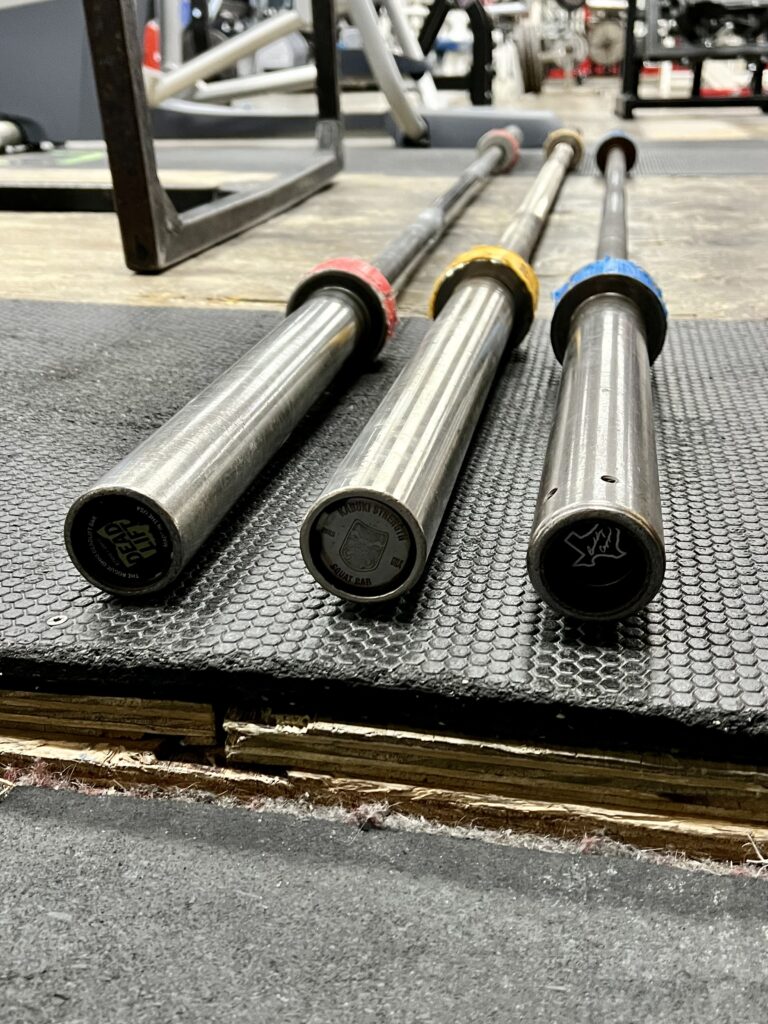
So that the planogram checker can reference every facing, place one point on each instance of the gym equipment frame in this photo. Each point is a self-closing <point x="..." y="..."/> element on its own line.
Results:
<point x="479" y="79"/>
<point x="155" y="234"/>
<point x="160" y="227"/>
<point x="650" y="48"/>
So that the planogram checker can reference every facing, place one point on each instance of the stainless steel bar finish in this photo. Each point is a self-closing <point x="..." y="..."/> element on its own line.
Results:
<point x="136" y="529"/>
<point x="141" y="523"/>
<point x="613" y="223"/>
<point x="398" y="259"/>
<point x="597" y="544"/>
<point x="368" y="536"/>
<point x="524" y="230"/>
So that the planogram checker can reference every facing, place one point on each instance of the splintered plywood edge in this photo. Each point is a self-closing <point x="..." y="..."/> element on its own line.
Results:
<point x="63" y="714"/>
<point x="648" y="784"/>
<point x="129" y="764"/>
<point x="719" y="839"/>
<point x="107" y="766"/>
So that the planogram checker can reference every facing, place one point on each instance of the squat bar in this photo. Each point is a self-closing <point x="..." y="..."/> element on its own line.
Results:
<point x="134" y="531"/>
<point x="369" y="534"/>
<point x="597" y="546"/>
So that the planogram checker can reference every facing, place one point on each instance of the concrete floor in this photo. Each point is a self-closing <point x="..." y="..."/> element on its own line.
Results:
<point x="120" y="910"/>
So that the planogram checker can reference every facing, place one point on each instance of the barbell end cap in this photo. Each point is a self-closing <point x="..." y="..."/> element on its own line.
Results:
<point x="602" y="277"/>
<point x="570" y="136"/>
<point x="612" y="140"/>
<point x="123" y="542"/>
<point x="332" y="522"/>
<point x="366" y="284"/>
<point x="607" y="601"/>
<point x="509" y="140"/>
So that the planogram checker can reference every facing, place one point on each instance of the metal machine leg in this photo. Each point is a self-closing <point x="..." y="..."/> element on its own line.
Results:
<point x="698" y="68"/>
<point x="369" y="534"/>
<point x="479" y="80"/>
<point x="171" y="34"/>
<point x="597" y="545"/>
<point x="385" y="70"/>
<point x="410" y="46"/>
<point x="136" y="529"/>
<point x="155" y="235"/>
<point x="209" y="63"/>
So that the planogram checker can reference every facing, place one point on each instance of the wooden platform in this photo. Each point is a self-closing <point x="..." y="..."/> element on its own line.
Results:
<point x="699" y="238"/>
<point x="698" y="808"/>
<point x="696" y="235"/>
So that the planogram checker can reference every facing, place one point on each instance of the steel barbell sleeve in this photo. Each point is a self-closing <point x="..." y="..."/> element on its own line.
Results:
<point x="369" y="534"/>
<point x="134" y="531"/>
<point x="596" y="549"/>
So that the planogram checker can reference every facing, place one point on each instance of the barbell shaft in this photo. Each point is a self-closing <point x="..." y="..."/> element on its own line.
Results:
<point x="141" y="523"/>
<point x="386" y="500"/>
<point x="524" y="230"/>
<point x="389" y="494"/>
<point x="398" y="260"/>
<point x="597" y="545"/>
<point x="613" y="222"/>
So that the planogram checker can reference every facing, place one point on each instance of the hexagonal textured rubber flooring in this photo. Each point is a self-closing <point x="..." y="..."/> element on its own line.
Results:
<point x="472" y="648"/>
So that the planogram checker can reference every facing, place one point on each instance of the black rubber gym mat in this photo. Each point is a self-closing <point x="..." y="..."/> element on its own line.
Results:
<point x="731" y="157"/>
<point x="472" y="648"/>
<point x="691" y="159"/>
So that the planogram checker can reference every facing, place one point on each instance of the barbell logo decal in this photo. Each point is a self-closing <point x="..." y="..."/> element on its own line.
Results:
<point x="599" y="542"/>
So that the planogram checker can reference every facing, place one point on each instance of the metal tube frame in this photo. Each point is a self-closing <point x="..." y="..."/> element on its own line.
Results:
<point x="409" y="44"/>
<point x="155" y="234"/>
<point x="479" y="80"/>
<point x="384" y="68"/>
<point x="162" y="86"/>
<point x="171" y="34"/>
<point x="282" y="80"/>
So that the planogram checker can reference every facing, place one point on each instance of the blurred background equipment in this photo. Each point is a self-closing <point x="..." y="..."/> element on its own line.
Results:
<point x="232" y="70"/>
<point x="688" y="34"/>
